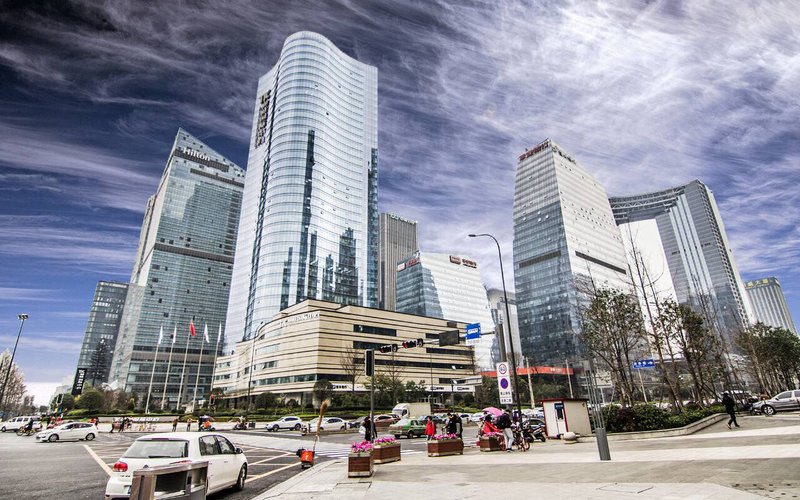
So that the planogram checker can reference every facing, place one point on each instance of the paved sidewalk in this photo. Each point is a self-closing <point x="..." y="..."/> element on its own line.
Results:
<point x="757" y="461"/>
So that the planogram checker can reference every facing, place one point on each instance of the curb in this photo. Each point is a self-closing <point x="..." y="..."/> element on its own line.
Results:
<point x="678" y="431"/>
<point x="293" y="481"/>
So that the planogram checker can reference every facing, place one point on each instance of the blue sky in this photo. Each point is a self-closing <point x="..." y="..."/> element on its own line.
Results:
<point x="646" y="95"/>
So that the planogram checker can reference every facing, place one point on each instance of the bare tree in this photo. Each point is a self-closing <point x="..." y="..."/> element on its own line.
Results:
<point x="352" y="364"/>
<point x="14" y="395"/>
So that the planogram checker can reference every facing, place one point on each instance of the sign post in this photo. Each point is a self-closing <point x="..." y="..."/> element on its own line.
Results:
<point x="473" y="334"/>
<point x="641" y="365"/>
<point x="504" y="384"/>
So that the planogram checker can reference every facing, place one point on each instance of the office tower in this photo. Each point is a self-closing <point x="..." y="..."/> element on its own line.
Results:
<point x="398" y="239"/>
<point x="310" y="208"/>
<point x="182" y="275"/>
<point x="769" y="303"/>
<point x="439" y="285"/>
<point x="101" y="330"/>
<point x="565" y="242"/>
<point x="695" y="247"/>
<point x="498" y="309"/>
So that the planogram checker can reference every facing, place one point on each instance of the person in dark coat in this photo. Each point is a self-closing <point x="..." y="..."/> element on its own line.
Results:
<point x="730" y="409"/>
<point x="369" y="429"/>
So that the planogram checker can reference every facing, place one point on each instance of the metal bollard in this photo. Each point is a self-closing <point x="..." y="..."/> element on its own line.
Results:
<point x="184" y="481"/>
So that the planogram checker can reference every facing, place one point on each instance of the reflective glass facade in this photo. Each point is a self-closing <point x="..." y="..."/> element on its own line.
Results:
<point x="399" y="238"/>
<point x="696" y="248"/>
<point x="769" y="303"/>
<point x="182" y="274"/>
<point x="564" y="238"/>
<point x="103" y="325"/>
<point x="309" y="224"/>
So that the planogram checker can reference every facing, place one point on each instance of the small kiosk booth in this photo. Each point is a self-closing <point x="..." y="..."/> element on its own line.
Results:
<point x="566" y="415"/>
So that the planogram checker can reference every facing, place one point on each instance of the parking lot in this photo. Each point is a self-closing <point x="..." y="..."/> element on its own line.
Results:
<point x="79" y="470"/>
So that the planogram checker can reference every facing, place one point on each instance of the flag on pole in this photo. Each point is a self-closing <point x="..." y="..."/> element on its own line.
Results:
<point x="219" y="333"/>
<point x="160" y="334"/>
<point x="191" y="329"/>
<point x="174" y="334"/>
<point x="205" y="334"/>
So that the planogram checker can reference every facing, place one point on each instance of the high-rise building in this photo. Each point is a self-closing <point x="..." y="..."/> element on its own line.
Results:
<point x="769" y="303"/>
<point x="398" y="239"/>
<point x="101" y="330"/>
<point x="439" y="285"/>
<point x="565" y="241"/>
<point x="695" y="247"/>
<point x="497" y="307"/>
<point x="309" y="224"/>
<point x="182" y="275"/>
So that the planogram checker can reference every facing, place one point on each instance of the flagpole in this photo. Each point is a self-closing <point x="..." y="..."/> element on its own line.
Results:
<point x="169" y="364"/>
<point x="216" y="353"/>
<point x="153" y="371"/>
<point x="183" y="371"/>
<point x="199" y="365"/>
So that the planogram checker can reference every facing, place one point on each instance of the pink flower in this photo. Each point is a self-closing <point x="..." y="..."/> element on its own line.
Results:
<point x="362" y="447"/>
<point x="439" y="437"/>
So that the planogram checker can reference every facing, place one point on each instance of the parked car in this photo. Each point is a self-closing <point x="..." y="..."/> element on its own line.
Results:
<point x="227" y="465"/>
<point x="70" y="431"/>
<point x="477" y="417"/>
<point x="15" y="423"/>
<point x="328" y="424"/>
<point x="290" y="422"/>
<point x="785" y="401"/>
<point x="408" y="428"/>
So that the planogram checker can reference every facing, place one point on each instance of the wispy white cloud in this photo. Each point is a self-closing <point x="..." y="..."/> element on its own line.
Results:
<point x="12" y="294"/>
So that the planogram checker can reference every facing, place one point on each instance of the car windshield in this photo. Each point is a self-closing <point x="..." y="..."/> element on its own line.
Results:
<point x="158" y="448"/>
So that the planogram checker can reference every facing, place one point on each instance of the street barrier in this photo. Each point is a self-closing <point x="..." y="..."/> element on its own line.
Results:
<point x="183" y="481"/>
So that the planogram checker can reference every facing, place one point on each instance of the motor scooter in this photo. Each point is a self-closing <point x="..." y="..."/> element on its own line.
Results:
<point x="533" y="432"/>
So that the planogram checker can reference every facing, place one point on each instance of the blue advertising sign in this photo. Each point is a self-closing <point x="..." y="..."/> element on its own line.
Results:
<point x="473" y="333"/>
<point x="644" y="363"/>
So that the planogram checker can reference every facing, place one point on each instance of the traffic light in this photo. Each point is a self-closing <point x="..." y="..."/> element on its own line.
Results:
<point x="369" y="362"/>
<point x="388" y="348"/>
<point x="408" y="344"/>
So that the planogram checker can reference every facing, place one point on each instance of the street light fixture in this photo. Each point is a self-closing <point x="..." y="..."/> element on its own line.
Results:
<point x="507" y="322"/>
<point x="22" y="318"/>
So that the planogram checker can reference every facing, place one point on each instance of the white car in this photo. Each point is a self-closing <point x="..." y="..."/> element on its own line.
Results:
<point x="290" y="422"/>
<point x="477" y="417"/>
<point x="65" y="432"/>
<point x="227" y="465"/>
<point x="328" y="424"/>
<point x="15" y="423"/>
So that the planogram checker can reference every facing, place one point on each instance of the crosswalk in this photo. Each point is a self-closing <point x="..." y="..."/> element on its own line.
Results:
<point x="323" y="449"/>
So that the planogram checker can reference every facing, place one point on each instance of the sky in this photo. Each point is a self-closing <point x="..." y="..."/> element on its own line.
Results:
<point x="645" y="94"/>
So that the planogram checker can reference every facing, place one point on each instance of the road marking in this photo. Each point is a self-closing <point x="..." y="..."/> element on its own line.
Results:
<point x="97" y="459"/>
<point x="252" y="478"/>
<point x="270" y="459"/>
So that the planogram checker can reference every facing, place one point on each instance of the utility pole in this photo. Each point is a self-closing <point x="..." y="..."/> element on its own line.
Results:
<point x="530" y="384"/>
<point x="569" y="379"/>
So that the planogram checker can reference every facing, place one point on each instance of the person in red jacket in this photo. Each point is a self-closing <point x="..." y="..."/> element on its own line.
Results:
<point x="488" y="426"/>
<point x="430" y="428"/>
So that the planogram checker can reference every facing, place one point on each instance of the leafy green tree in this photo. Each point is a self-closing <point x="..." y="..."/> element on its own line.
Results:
<point x="91" y="400"/>
<point x="322" y="390"/>
<point x="265" y="400"/>
<point x="415" y="391"/>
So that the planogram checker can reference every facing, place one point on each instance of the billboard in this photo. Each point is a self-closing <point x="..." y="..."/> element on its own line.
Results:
<point x="77" y="384"/>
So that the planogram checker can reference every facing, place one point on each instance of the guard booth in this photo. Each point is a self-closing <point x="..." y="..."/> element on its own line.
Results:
<point x="564" y="415"/>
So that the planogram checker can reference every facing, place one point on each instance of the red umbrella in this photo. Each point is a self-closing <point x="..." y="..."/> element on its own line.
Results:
<point x="493" y="411"/>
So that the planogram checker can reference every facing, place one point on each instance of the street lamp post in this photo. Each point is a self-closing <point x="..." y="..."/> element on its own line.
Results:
<point x="507" y="323"/>
<point x="22" y="318"/>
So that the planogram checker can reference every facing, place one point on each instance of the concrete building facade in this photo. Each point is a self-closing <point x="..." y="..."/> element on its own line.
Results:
<point x="399" y="238"/>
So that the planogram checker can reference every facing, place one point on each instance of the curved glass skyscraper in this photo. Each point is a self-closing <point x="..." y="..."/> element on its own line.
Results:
<point x="309" y="224"/>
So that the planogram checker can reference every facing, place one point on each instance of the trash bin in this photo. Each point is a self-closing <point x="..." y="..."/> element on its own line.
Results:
<point x="184" y="481"/>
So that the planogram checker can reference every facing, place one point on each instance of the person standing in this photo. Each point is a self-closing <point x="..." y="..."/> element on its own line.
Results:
<point x="174" y="424"/>
<point x="504" y="424"/>
<point x="430" y="428"/>
<point x="188" y="423"/>
<point x="369" y="429"/>
<point x="450" y="428"/>
<point x="458" y="424"/>
<point x="730" y="408"/>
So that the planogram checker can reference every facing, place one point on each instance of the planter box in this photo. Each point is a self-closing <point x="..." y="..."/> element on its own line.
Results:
<point x="490" y="444"/>
<point x="445" y="447"/>
<point x="360" y="464"/>
<point x="383" y="454"/>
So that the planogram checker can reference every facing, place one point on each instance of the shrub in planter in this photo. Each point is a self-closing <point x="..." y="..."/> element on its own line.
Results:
<point x="386" y="449"/>
<point x="491" y="441"/>
<point x="441" y="445"/>
<point x="360" y="461"/>
<point x="648" y="417"/>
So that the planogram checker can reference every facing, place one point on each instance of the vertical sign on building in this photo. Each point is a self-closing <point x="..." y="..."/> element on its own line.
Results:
<point x="77" y="384"/>
<point x="504" y="384"/>
<point x="473" y="334"/>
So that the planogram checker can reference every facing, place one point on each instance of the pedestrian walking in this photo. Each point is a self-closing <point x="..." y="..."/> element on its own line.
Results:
<point x="430" y="427"/>
<point x="504" y="424"/>
<point x="174" y="424"/>
<point x="730" y="408"/>
<point x="188" y="424"/>
<point x="369" y="429"/>
<point x="450" y="428"/>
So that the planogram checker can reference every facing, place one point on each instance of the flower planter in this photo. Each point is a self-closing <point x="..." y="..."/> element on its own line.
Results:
<point x="385" y="453"/>
<point x="444" y="447"/>
<point x="360" y="464"/>
<point x="490" y="443"/>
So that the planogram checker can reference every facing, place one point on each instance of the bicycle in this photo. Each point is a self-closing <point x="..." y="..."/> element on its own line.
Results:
<point x="519" y="440"/>
<point x="22" y="431"/>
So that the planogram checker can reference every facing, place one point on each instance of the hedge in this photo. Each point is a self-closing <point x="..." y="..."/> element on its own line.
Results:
<point x="648" y="417"/>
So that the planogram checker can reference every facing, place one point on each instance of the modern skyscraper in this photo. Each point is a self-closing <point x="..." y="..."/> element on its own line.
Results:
<point x="182" y="274"/>
<point x="398" y="239"/>
<point x="769" y="303"/>
<point x="498" y="309"/>
<point x="102" y="327"/>
<point x="696" y="249"/>
<point x="439" y="285"/>
<point x="310" y="208"/>
<point x="565" y="239"/>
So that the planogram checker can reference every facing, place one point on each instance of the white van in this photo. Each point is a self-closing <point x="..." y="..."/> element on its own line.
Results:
<point x="412" y="410"/>
<point x="17" y="422"/>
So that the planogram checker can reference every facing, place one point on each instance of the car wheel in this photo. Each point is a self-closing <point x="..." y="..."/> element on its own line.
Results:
<point x="397" y="436"/>
<point x="768" y="410"/>
<point x="3" y="429"/>
<point x="275" y="428"/>
<point x="297" y="427"/>
<point x="241" y="479"/>
<point x="410" y="435"/>
<point x="344" y="428"/>
<point x="53" y="438"/>
<point x="89" y="437"/>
